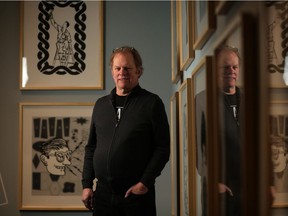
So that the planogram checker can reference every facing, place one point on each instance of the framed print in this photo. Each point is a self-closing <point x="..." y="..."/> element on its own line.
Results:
<point x="278" y="134"/>
<point x="176" y="73"/>
<point x="250" y="118"/>
<point x="186" y="151"/>
<point x="61" y="45"/>
<point x="186" y="33"/>
<point x="200" y="133"/>
<point x="277" y="46"/>
<point x="174" y="133"/>
<point x="52" y="141"/>
<point x="204" y="22"/>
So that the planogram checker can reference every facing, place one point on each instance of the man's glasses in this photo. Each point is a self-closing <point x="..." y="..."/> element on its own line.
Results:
<point x="124" y="48"/>
<point x="60" y="156"/>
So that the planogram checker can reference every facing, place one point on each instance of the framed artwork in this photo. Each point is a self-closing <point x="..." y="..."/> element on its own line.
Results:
<point x="61" y="45"/>
<point x="186" y="33"/>
<point x="277" y="47"/>
<point x="278" y="134"/>
<point x="200" y="132"/>
<point x="174" y="158"/>
<point x="204" y="22"/>
<point x="252" y="115"/>
<point x="176" y="73"/>
<point x="186" y="151"/>
<point x="52" y="142"/>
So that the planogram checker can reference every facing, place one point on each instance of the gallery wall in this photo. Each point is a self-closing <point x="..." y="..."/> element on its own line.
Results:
<point x="144" y="25"/>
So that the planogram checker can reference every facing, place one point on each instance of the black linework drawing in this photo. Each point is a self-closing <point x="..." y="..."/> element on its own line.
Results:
<point x="57" y="154"/>
<point x="64" y="54"/>
<point x="70" y="56"/>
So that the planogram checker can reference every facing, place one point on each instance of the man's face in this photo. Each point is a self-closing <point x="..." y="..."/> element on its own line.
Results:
<point x="57" y="161"/>
<point x="228" y="69"/>
<point x="124" y="72"/>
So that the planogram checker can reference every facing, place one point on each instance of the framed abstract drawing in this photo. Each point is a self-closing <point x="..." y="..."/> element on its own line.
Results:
<point x="186" y="151"/>
<point x="186" y="33"/>
<point x="61" y="45"/>
<point x="52" y="141"/>
<point x="204" y="22"/>
<point x="200" y="132"/>
<point x="174" y="134"/>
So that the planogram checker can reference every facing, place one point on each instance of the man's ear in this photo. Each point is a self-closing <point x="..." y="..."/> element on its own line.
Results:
<point x="139" y="72"/>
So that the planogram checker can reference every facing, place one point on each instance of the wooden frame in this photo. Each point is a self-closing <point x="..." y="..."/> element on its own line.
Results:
<point x="204" y="22"/>
<point x="187" y="152"/>
<point x="278" y="117"/>
<point x="186" y="33"/>
<point x="200" y="133"/>
<point x="175" y="58"/>
<point x="174" y="133"/>
<point x="253" y="119"/>
<point x="50" y="60"/>
<point x="44" y="186"/>
<point x="276" y="47"/>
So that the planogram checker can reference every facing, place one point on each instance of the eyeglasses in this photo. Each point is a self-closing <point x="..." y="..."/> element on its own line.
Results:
<point x="124" y="48"/>
<point x="60" y="156"/>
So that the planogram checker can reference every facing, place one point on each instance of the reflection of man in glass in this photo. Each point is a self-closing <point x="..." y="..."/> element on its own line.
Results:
<point x="64" y="50"/>
<point x="56" y="156"/>
<point x="228" y="61"/>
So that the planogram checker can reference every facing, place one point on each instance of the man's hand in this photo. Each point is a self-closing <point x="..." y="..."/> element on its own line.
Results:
<point x="87" y="198"/>
<point x="138" y="188"/>
<point x="224" y="189"/>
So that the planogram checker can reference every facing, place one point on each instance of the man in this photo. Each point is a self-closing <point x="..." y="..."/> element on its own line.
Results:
<point x="228" y="61"/>
<point x="128" y="146"/>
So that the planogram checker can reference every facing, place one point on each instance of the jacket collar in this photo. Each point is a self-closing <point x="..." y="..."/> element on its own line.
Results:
<point x="134" y="91"/>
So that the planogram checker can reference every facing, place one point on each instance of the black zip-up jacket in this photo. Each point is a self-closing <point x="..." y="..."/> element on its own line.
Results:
<point x="133" y="150"/>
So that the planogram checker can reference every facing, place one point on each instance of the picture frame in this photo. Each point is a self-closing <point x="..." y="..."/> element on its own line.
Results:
<point x="200" y="132"/>
<point x="186" y="33"/>
<point x="204" y="22"/>
<point x="175" y="67"/>
<point x="278" y="117"/>
<point x="276" y="47"/>
<point x="174" y="156"/>
<point x="52" y="147"/>
<point x="186" y="151"/>
<point x="51" y="60"/>
<point x="253" y="117"/>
